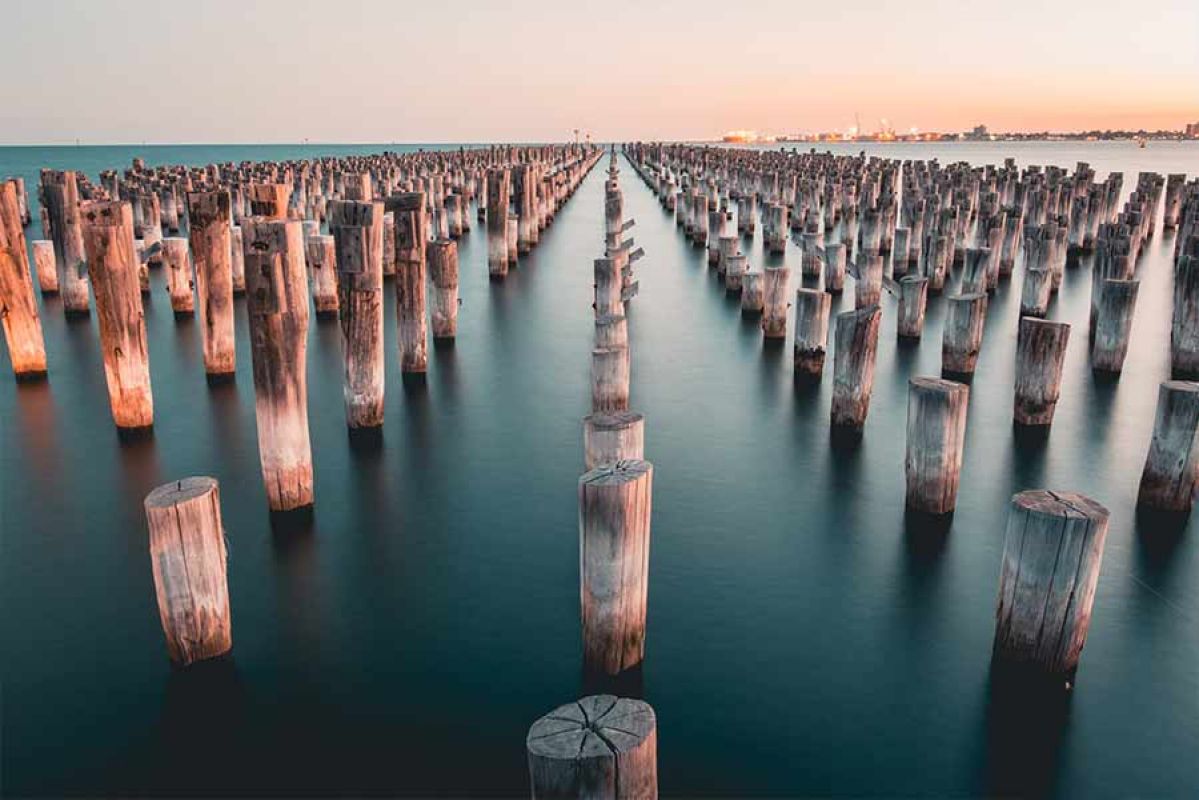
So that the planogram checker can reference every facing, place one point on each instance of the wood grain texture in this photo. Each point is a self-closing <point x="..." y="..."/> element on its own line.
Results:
<point x="211" y="240"/>
<point x="812" y="308"/>
<point x="1040" y="355"/>
<point x="45" y="266"/>
<point x="60" y="198"/>
<point x="321" y="257"/>
<point x="1172" y="464"/>
<point x="177" y="263"/>
<point x="410" y="238"/>
<point x="856" y="343"/>
<point x="1113" y="325"/>
<point x="962" y="341"/>
<point x="18" y="306"/>
<point x="935" y="444"/>
<point x="775" y="296"/>
<point x="188" y="559"/>
<point x="443" y="274"/>
<point x="611" y="437"/>
<point x="614" y="540"/>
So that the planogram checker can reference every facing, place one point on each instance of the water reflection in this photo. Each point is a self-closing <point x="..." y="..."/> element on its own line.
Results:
<point x="1025" y="724"/>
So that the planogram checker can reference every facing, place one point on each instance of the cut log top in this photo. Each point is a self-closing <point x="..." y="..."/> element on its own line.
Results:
<point x="354" y="212"/>
<point x="205" y="208"/>
<point x="172" y="494"/>
<point x="1181" y="386"/>
<point x="596" y="726"/>
<point x="408" y="201"/>
<point x="614" y="421"/>
<point x="616" y="473"/>
<point x="938" y="385"/>
<point x="1062" y="504"/>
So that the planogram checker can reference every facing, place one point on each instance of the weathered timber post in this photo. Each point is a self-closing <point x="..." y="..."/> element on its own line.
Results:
<point x="598" y="747"/>
<point x="1035" y="292"/>
<point x="1184" y="321"/>
<point x="112" y="270"/>
<point x="179" y="276"/>
<point x="60" y="193"/>
<point x="497" y="222"/>
<point x="211" y="241"/>
<point x="1040" y="354"/>
<point x="1052" y="551"/>
<point x="753" y="292"/>
<point x="443" y="272"/>
<point x="734" y="272"/>
<point x="974" y="276"/>
<point x="187" y="556"/>
<point x="610" y="379"/>
<point x="868" y="288"/>
<point x="962" y="341"/>
<point x="277" y="294"/>
<point x="321" y="254"/>
<point x="856" y="343"/>
<point x="18" y="305"/>
<point x="1117" y="301"/>
<point x="774" y="312"/>
<point x="614" y="540"/>
<point x="608" y="284"/>
<point x="44" y="266"/>
<point x="936" y="438"/>
<point x="618" y="436"/>
<point x="913" y="300"/>
<point x="410" y="224"/>
<point x="811" y="331"/>
<point x="237" y="260"/>
<point x="357" y="229"/>
<point x="269" y="200"/>
<point x="834" y="268"/>
<point x="1172" y="465"/>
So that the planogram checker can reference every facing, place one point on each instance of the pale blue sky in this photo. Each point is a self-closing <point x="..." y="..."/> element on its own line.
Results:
<point x="127" y="71"/>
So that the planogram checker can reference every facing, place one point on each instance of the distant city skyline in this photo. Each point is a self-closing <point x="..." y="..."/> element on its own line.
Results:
<point x="133" y="71"/>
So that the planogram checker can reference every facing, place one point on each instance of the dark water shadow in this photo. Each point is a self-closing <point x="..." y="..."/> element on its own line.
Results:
<point x="1026" y="720"/>
<point x="138" y="457"/>
<point x="627" y="683"/>
<point x="1159" y="535"/>
<point x="445" y="357"/>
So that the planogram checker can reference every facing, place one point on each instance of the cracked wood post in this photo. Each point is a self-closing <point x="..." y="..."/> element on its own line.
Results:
<point x="856" y="343"/>
<point x="1035" y="292"/>
<point x="358" y="236"/>
<point x="1172" y="464"/>
<point x="610" y="437"/>
<point x="614" y="541"/>
<point x="410" y="227"/>
<point x="608" y="284"/>
<point x="868" y="286"/>
<point x="277" y="295"/>
<point x="60" y="195"/>
<point x="321" y="256"/>
<point x="936" y="436"/>
<point x="497" y="222"/>
<point x="611" y="330"/>
<point x="1117" y="301"/>
<point x="812" y="308"/>
<point x="974" y="274"/>
<point x="1040" y="354"/>
<point x="18" y="305"/>
<point x="112" y="269"/>
<point x="188" y="559"/>
<point x="834" y="268"/>
<point x="963" y="337"/>
<point x="734" y="272"/>
<point x="211" y="244"/>
<point x="913" y="300"/>
<point x="774" y="311"/>
<point x="610" y="379"/>
<point x="178" y="266"/>
<point x="598" y="747"/>
<point x="44" y="266"/>
<point x="753" y="292"/>
<point x="1052" y="551"/>
<point x="443" y="272"/>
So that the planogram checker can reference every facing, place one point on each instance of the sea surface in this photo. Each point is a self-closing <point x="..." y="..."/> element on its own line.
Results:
<point x="803" y="639"/>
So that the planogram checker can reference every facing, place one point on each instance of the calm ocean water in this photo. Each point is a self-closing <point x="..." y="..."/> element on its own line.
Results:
<point x="801" y="640"/>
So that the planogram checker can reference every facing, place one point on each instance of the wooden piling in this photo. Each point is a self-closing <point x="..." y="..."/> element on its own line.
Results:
<point x="44" y="266"/>
<point x="614" y="541"/>
<point x="962" y="341"/>
<point x="277" y="294"/>
<point x="188" y="559"/>
<point x="18" y="306"/>
<point x="774" y="310"/>
<point x="1172" y="464"/>
<point x="443" y="272"/>
<point x="237" y="260"/>
<point x="936" y="439"/>
<point x="321" y="256"/>
<point x="1052" y="551"/>
<point x="177" y="261"/>
<point x="913" y="300"/>
<point x="1184" y="320"/>
<point x="856" y="343"/>
<point x="812" y="308"/>
<point x="409" y="209"/>
<point x="610" y="379"/>
<point x="598" y="747"/>
<point x="1113" y="325"/>
<point x="497" y="222"/>
<point x="868" y="288"/>
<point x="1040" y="354"/>
<point x="60" y="195"/>
<point x="834" y="268"/>
<point x="607" y="438"/>
<point x="211" y="240"/>
<point x="358" y="236"/>
<point x="753" y="292"/>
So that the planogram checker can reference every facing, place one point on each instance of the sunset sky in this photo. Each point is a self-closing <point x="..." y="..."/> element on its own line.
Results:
<point x="129" y="71"/>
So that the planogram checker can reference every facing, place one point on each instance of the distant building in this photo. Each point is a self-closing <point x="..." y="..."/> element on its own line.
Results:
<point x="1192" y="131"/>
<point x="978" y="133"/>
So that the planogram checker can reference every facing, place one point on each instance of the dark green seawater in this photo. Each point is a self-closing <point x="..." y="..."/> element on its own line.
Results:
<point x="803" y="639"/>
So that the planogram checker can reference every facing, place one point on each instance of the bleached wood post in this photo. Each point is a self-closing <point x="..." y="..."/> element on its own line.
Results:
<point x="178" y="266"/>
<point x="1172" y="465"/>
<point x="60" y="193"/>
<point x="913" y="300"/>
<point x="938" y="256"/>
<point x="1035" y="292"/>
<point x="618" y="436"/>
<point x="237" y="260"/>
<point x="856" y="343"/>
<point x="497" y="222"/>
<point x="974" y="275"/>
<point x="269" y="200"/>
<point x="410" y="225"/>
<point x="1184" y="321"/>
<point x="44" y="266"/>
<point x="614" y="540"/>
<point x="358" y="232"/>
<point x="211" y="244"/>
<point x="811" y="331"/>
<point x="188" y="559"/>
<point x="112" y="269"/>
<point x="753" y="292"/>
<point x="443" y="272"/>
<point x="610" y="379"/>
<point x="1117" y="301"/>
<point x="834" y="268"/>
<point x="774" y="312"/>
<point x="868" y="288"/>
<point x="277" y="294"/>
<point x="960" y="346"/>
<point x="18" y="305"/>
<point x="1052" y="551"/>
<point x="321" y="254"/>
<point x="936" y="438"/>
<point x="608" y="284"/>
<point x="734" y="272"/>
<point x="598" y="747"/>
<point x="1040" y="354"/>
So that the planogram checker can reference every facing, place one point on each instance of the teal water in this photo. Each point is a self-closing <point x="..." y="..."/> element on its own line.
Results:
<point x="803" y="640"/>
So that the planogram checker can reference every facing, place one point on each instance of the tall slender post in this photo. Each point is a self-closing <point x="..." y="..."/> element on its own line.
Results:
<point x="357" y="229"/>
<point x="211" y="244"/>
<point x="812" y="308"/>
<point x="497" y="222"/>
<point x="963" y="337"/>
<point x="1113" y="325"/>
<point x="774" y="314"/>
<point x="936" y="439"/>
<point x="178" y="266"/>
<point x="913" y="300"/>
<point x="1172" y="465"/>
<point x="856" y="343"/>
<point x="411" y="225"/>
<point x="60" y="194"/>
<point x="44" y="266"/>
<point x="443" y="273"/>
<point x="1040" y="354"/>
<point x="18" y="305"/>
